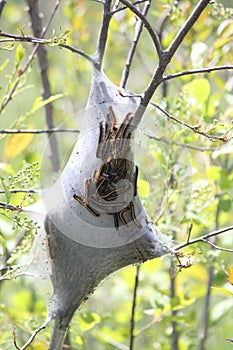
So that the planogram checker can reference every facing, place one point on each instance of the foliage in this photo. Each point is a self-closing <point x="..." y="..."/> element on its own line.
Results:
<point x="186" y="178"/>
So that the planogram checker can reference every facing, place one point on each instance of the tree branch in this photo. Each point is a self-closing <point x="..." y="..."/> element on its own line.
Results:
<point x="132" y="320"/>
<point x="36" y="131"/>
<point x="196" y="71"/>
<point x="165" y="59"/>
<point x="32" y="56"/>
<point x="147" y="25"/>
<point x="195" y="129"/>
<point x="34" y="334"/>
<point x="79" y="52"/>
<point x="184" y="145"/>
<point x="43" y="64"/>
<point x="20" y="191"/>
<point x="98" y="57"/>
<point x="203" y="238"/>
<point x="41" y="41"/>
<point x="138" y="31"/>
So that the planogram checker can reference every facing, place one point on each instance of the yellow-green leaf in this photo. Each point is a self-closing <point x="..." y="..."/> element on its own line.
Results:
<point x="20" y="52"/>
<point x="143" y="188"/>
<point x="199" y="89"/>
<point x="17" y="143"/>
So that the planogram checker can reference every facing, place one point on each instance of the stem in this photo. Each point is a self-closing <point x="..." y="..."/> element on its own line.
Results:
<point x="174" y="335"/>
<point x="204" y="326"/>
<point x="132" y="321"/>
<point x="204" y="237"/>
<point x="138" y="31"/>
<point x="165" y="59"/>
<point x="36" y="131"/>
<point x="43" y="64"/>
<point x="196" y="71"/>
<point x="146" y="23"/>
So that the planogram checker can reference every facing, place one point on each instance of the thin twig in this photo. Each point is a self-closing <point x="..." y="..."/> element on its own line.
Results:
<point x="41" y="41"/>
<point x="217" y="247"/>
<point x="147" y="25"/>
<point x="9" y="206"/>
<point x="36" y="131"/>
<point x="32" y="56"/>
<point x="196" y="71"/>
<point x="184" y="145"/>
<point x="174" y="333"/>
<point x="132" y="320"/>
<point x="203" y="238"/>
<point x="78" y="52"/>
<point x="34" y="334"/>
<point x="162" y="20"/>
<point x="193" y="128"/>
<point x="138" y="31"/>
<point x="20" y="190"/>
<point x="205" y="317"/>
<point x="165" y="59"/>
<point x="121" y="8"/>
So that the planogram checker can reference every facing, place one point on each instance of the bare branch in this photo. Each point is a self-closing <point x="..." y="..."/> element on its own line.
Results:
<point x="121" y="8"/>
<point x="20" y="191"/>
<point x="32" y="56"/>
<point x="196" y="71"/>
<point x="36" y="131"/>
<point x="164" y="60"/>
<point x="217" y="247"/>
<point x="195" y="129"/>
<point x="34" y="334"/>
<point x="43" y="64"/>
<point x="79" y="52"/>
<point x="138" y="31"/>
<point x="146" y="23"/>
<point x="185" y="145"/>
<point x="10" y="207"/>
<point x="103" y="35"/>
<point x="132" y="321"/>
<point x="204" y="237"/>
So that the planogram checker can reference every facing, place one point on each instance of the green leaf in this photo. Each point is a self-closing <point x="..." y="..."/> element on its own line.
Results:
<point x="88" y="320"/>
<point x="225" y="204"/>
<point x="199" y="89"/>
<point x="38" y="104"/>
<point x="214" y="173"/>
<point x="20" y="52"/>
<point x="7" y="192"/>
<point x="144" y="188"/>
